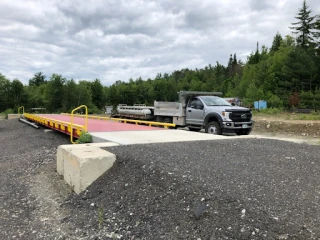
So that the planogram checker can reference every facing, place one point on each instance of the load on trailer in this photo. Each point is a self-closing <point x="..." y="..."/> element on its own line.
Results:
<point x="195" y="110"/>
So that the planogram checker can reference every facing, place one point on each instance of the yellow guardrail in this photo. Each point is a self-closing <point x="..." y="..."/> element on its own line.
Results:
<point x="88" y="116"/>
<point x="86" y="121"/>
<point x="165" y="125"/>
<point x="61" y="125"/>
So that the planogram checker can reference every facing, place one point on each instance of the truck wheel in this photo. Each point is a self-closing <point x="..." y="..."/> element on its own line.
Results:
<point x="243" y="131"/>
<point x="194" y="129"/>
<point x="214" y="128"/>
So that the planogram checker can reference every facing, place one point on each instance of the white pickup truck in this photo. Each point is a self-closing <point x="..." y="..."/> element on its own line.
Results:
<point x="195" y="110"/>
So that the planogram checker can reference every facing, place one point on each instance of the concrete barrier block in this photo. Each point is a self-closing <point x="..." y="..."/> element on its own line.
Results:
<point x="60" y="154"/>
<point x="13" y="116"/>
<point x="62" y="148"/>
<point x="81" y="165"/>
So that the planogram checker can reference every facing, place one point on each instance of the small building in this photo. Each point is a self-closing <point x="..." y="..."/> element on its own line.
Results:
<point x="261" y="104"/>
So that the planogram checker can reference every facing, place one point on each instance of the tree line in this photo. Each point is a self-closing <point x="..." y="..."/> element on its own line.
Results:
<point x="286" y="74"/>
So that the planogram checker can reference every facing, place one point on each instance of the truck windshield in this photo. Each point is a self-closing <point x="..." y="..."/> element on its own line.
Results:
<point x="214" y="101"/>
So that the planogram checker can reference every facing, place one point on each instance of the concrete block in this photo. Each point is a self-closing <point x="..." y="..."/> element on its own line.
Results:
<point x="13" y="116"/>
<point x="60" y="154"/>
<point x="82" y="164"/>
<point x="61" y="148"/>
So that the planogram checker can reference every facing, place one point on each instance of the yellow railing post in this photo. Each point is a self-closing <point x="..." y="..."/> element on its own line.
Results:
<point x="86" y="121"/>
<point x="22" y="110"/>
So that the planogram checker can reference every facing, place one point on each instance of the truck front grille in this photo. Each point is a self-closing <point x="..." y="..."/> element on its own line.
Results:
<point x="240" y="116"/>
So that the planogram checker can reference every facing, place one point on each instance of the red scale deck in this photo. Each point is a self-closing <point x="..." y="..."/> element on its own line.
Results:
<point x="95" y="125"/>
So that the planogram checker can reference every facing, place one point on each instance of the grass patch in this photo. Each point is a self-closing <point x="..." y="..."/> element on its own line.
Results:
<point x="85" y="137"/>
<point x="268" y="111"/>
<point x="309" y="116"/>
<point x="283" y="115"/>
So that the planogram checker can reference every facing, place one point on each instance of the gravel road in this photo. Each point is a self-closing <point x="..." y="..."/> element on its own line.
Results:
<point x="231" y="189"/>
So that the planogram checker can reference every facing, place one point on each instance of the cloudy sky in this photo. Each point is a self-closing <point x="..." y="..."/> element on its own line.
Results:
<point x="120" y="39"/>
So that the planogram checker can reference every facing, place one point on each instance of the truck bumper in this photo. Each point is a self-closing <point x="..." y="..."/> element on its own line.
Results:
<point x="237" y="125"/>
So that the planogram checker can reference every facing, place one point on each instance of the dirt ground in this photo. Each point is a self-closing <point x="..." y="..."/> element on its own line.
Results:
<point x="238" y="189"/>
<point x="280" y="126"/>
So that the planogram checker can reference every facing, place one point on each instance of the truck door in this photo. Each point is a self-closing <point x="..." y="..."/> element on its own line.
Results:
<point x="195" y="112"/>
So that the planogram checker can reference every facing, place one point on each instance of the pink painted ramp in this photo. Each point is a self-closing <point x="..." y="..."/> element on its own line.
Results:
<point x="101" y="125"/>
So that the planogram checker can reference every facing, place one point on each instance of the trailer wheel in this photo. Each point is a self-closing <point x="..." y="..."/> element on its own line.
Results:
<point x="214" y="128"/>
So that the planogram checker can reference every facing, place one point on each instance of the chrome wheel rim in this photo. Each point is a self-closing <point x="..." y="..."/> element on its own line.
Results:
<point x="212" y="130"/>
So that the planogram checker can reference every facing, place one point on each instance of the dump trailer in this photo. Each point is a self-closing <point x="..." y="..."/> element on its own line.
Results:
<point x="195" y="110"/>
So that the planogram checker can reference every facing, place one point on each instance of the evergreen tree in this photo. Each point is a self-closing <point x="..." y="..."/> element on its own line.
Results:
<point x="70" y="96"/>
<point x="254" y="58"/>
<point x="276" y="43"/>
<point x="5" y="86"/>
<point x="317" y="33"/>
<point x="230" y="66"/>
<point x="97" y="94"/>
<point x="54" y="93"/>
<point x="37" y="80"/>
<point x="234" y="62"/>
<point x="84" y="95"/>
<point x="304" y="28"/>
<point x="230" y="61"/>
<point x="16" y="94"/>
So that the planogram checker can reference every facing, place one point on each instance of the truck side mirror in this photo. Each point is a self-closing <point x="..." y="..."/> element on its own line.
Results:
<point x="233" y="104"/>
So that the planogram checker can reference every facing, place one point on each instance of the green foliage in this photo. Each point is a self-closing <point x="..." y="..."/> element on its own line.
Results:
<point x="311" y="116"/>
<point x="310" y="100"/>
<point x="4" y="93"/>
<point x="85" y="137"/>
<point x="97" y="93"/>
<point x="70" y="96"/>
<point x="8" y="111"/>
<point x="274" y="101"/>
<point x="271" y="111"/>
<point x="276" y="42"/>
<point x="316" y="34"/>
<point x="54" y="93"/>
<point x="254" y="94"/>
<point x="100" y="219"/>
<point x="37" y="80"/>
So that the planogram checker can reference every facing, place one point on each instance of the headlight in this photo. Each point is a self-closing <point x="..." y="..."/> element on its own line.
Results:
<point x="226" y="116"/>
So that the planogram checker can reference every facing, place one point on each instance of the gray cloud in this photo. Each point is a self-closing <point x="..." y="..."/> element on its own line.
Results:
<point x="117" y="39"/>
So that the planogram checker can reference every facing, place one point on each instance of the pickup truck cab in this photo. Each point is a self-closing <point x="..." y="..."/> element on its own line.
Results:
<point x="217" y="116"/>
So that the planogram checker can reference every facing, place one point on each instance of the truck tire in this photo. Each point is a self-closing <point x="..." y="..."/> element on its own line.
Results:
<point x="213" y="128"/>
<point x="194" y="129"/>
<point x="243" y="131"/>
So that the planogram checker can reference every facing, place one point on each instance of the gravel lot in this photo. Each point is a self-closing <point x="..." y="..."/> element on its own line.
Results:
<point x="231" y="189"/>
